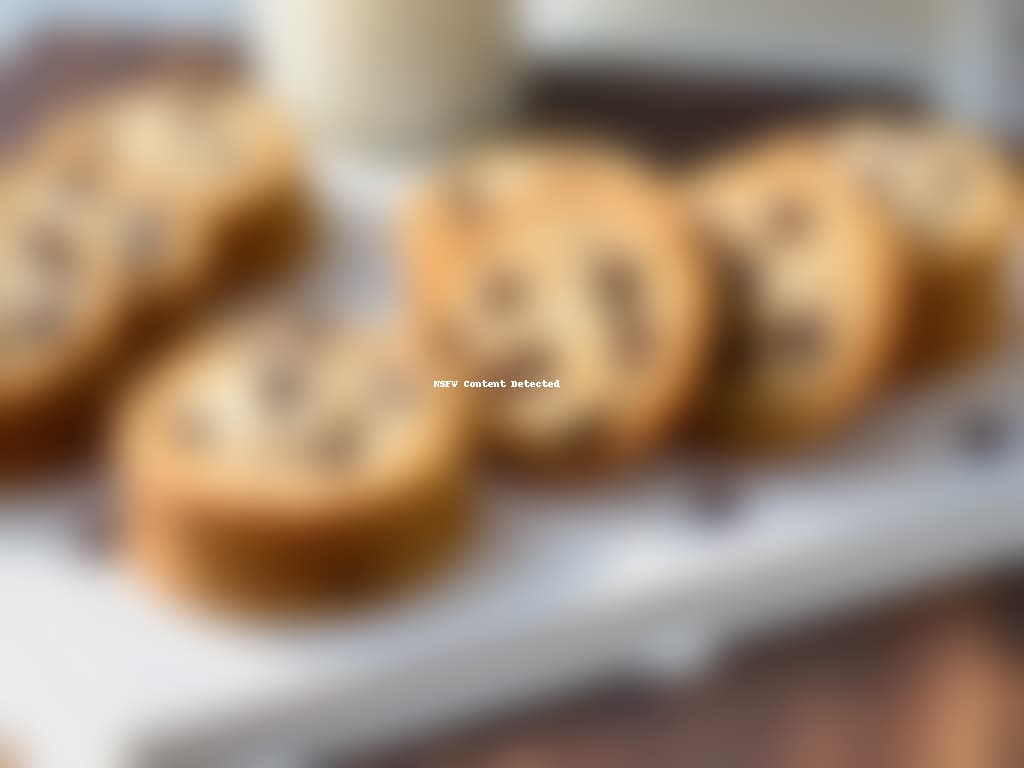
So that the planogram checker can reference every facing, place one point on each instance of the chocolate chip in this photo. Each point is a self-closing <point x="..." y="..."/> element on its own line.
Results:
<point x="634" y="339"/>
<point x="49" y="247"/>
<point x="984" y="435"/>
<point x="740" y="281"/>
<point x="790" y="221"/>
<point x="44" y="320"/>
<point x="737" y="343"/>
<point x="802" y="337"/>
<point x="504" y="292"/>
<point x="144" y="239"/>
<point x="338" y="445"/>
<point x="717" y="244"/>
<point x="586" y="436"/>
<point x="617" y="283"/>
<point x="735" y="351"/>
<point x="281" y="384"/>
<point x="529" y="362"/>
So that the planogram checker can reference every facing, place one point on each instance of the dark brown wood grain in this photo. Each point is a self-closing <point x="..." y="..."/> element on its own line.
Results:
<point x="929" y="685"/>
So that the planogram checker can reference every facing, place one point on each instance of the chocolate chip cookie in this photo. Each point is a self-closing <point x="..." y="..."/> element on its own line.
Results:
<point x="163" y="247"/>
<point x="955" y="202"/>
<point x="160" y="240"/>
<point x="60" y="308"/>
<point x="811" y="295"/>
<point x="224" y="148"/>
<point x="277" y="464"/>
<point x="562" y="265"/>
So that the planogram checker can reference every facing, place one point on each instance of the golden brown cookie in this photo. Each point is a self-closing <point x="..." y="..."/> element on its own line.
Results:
<point x="60" y="309"/>
<point x="161" y="238"/>
<point x="277" y="465"/>
<point x="228" y="151"/>
<point x="464" y="200"/>
<point x="562" y="264"/>
<point x="163" y="247"/>
<point x="119" y="219"/>
<point x="811" y="296"/>
<point x="955" y="202"/>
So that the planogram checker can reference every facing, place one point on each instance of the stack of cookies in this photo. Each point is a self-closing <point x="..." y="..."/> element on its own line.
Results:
<point x="569" y="265"/>
<point x="767" y="295"/>
<point x="587" y="308"/>
<point x="592" y="307"/>
<point x="811" y="282"/>
<point x="119" y="220"/>
<point x="955" y="204"/>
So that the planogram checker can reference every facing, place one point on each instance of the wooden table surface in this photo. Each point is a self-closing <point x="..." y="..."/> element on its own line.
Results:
<point x="934" y="684"/>
<point x="938" y="683"/>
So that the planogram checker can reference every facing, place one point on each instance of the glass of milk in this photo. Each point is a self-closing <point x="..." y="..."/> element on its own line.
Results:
<point x="388" y="74"/>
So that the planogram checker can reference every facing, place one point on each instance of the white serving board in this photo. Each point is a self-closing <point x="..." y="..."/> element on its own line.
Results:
<point x="563" y="589"/>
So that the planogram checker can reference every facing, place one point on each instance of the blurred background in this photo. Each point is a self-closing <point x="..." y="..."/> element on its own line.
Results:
<point x="738" y="57"/>
<point x="930" y="680"/>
